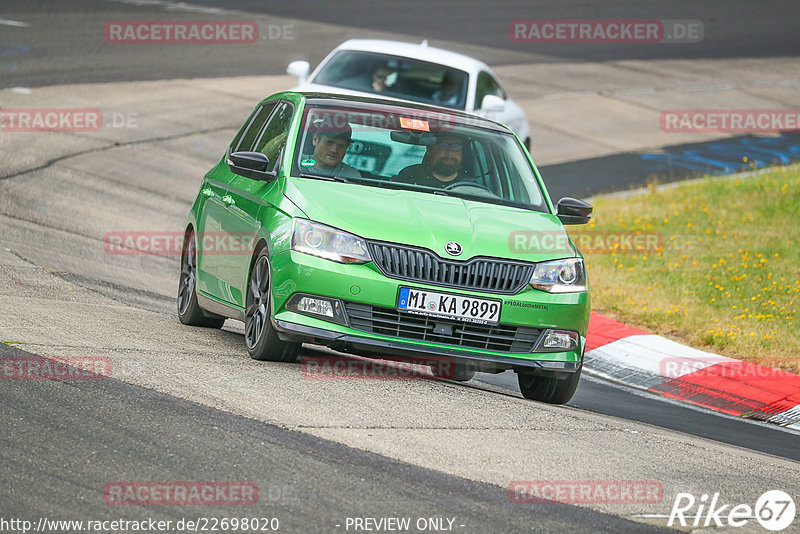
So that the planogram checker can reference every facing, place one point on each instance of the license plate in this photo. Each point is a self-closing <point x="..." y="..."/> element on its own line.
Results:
<point x="448" y="306"/>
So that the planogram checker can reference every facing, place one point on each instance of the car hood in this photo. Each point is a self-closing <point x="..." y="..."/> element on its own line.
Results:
<point x="430" y="221"/>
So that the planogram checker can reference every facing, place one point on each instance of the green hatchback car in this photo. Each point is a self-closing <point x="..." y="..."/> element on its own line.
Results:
<point x="390" y="230"/>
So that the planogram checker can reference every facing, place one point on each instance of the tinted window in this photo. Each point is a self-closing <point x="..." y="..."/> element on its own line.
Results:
<point x="429" y="152"/>
<point x="397" y="77"/>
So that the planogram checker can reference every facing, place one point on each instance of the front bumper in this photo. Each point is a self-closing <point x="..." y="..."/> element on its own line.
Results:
<point x="295" y="273"/>
<point x="349" y="343"/>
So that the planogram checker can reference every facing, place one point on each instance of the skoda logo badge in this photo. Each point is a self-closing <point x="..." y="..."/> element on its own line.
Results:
<point x="453" y="248"/>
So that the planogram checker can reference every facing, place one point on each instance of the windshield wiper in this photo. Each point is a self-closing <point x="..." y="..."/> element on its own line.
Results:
<point x="326" y="178"/>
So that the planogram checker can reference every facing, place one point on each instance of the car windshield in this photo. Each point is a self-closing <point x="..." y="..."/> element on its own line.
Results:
<point x="420" y="150"/>
<point x="397" y="77"/>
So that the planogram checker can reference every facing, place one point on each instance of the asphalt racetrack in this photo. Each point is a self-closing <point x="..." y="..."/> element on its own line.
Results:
<point x="188" y="404"/>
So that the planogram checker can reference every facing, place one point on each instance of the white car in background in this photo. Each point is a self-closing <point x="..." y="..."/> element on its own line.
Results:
<point x="414" y="72"/>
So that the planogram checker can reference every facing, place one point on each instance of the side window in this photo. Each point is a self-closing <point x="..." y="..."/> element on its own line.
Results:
<point x="487" y="85"/>
<point x="273" y="137"/>
<point x="246" y="139"/>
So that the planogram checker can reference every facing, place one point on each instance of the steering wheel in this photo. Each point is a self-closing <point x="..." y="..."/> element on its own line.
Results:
<point x="469" y="184"/>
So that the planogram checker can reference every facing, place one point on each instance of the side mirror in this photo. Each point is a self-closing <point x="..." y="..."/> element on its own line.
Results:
<point x="251" y="165"/>
<point x="573" y="211"/>
<point x="299" y="69"/>
<point x="493" y="103"/>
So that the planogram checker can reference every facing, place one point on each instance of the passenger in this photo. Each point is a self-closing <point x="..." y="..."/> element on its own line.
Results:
<point x="449" y="92"/>
<point x="330" y="146"/>
<point x="379" y="77"/>
<point x="441" y="166"/>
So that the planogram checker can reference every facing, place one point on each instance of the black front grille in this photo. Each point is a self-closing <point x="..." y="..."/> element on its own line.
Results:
<point x="390" y="322"/>
<point x="478" y="274"/>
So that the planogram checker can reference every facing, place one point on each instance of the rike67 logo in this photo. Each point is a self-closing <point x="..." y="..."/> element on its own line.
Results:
<point x="774" y="510"/>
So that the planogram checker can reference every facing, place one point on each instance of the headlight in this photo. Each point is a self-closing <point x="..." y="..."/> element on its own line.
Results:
<point x="560" y="276"/>
<point x="329" y="243"/>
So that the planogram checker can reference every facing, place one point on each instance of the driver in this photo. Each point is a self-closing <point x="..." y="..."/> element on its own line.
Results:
<point x="441" y="166"/>
<point x="330" y="145"/>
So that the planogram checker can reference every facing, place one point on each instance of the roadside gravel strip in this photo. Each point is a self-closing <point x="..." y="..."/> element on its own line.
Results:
<point x="636" y="358"/>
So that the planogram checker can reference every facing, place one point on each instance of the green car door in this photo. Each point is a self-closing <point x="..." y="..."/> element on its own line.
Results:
<point x="247" y="201"/>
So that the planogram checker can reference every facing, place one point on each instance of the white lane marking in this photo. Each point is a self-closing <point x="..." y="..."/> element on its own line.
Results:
<point x="16" y="23"/>
<point x="655" y="354"/>
<point x="791" y="415"/>
<point x="21" y="90"/>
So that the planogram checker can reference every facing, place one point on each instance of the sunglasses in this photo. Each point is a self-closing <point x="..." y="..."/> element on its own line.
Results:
<point x="449" y="146"/>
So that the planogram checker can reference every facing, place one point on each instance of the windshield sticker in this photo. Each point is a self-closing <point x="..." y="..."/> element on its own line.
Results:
<point x="308" y="162"/>
<point x="414" y="124"/>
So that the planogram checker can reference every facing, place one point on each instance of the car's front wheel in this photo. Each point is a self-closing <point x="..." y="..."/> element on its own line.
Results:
<point x="260" y="337"/>
<point x="189" y="311"/>
<point x="553" y="388"/>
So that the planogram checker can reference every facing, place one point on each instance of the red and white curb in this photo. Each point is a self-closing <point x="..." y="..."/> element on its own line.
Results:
<point x="647" y="361"/>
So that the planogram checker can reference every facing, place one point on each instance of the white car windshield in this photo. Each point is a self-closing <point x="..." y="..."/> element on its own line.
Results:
<point x="416" y="149"/>
<point x="397" y="77"/>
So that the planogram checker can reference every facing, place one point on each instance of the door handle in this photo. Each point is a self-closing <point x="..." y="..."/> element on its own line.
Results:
<point x="228" y="200"/>
<point x="207" y="192"/>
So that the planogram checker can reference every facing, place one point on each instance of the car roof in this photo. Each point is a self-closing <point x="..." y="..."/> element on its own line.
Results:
<point x="416" y="51"/>
<point x="356" y="101"/>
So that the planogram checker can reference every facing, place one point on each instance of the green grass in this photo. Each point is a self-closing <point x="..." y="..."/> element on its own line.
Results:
<point x="726" y="275"/>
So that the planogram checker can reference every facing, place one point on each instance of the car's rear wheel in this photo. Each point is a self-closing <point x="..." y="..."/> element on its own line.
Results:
<point x="189" y="311"/>
<point x="553" y="388"/>
<point x="458" y="371"/>
<point x="260" y="337"/>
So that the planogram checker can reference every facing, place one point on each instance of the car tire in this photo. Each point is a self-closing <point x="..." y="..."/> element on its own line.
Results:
<point x="189" y="311"/>
<point x="553" y="388"/>
<point x="463" y="372"/>
<point x="260" y="336"/>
